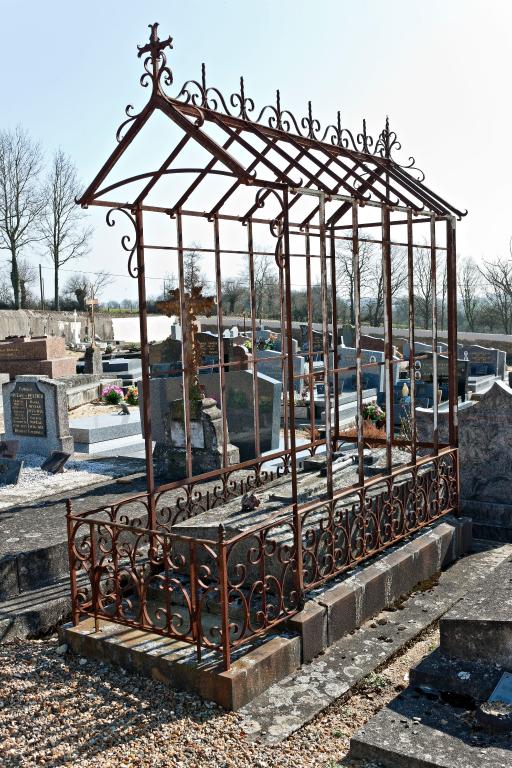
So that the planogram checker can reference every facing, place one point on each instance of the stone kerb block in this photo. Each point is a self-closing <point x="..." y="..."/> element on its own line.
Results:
<point x="36" y="414"/>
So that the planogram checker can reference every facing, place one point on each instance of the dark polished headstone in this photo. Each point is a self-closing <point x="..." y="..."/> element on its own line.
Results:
<point x="55" y="462"/>
<point x="10" y="471"/>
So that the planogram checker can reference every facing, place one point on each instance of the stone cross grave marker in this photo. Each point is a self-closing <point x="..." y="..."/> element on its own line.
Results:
<point x="36" y="414"/>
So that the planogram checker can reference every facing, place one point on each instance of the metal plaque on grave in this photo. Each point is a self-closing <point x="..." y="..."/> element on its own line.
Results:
<point x="28" y="410"/>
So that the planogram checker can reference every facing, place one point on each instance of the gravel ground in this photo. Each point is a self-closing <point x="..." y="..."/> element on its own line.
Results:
<point x="57" y="709"/>
<point x="35" y="483"/>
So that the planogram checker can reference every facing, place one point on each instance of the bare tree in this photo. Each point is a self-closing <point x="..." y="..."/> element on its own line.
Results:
<point x="20" y="198"/>
<point x="423" y="284"/>
<point x="498" y="276"/>
<point x="375" y="279"/>
<point x="81" y="287"/>
<point x="192" y="274"/>
<point x="266" y="285"/>
<point x="345" y="268"/>
<point x="233" y="290"/>
<point x="468" y="280"/>
<point x="64" y="236"/>
<point x="27" y="274"/>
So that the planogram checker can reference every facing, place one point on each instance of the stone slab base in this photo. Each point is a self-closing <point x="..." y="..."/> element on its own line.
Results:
<point x="175" y="662"/>
<point x="414" y="731"/>
<point x="476" y="679"/>
<point x="341" y="608"/>
<point x="479" y="627"/>
<point x="491" y="520"/>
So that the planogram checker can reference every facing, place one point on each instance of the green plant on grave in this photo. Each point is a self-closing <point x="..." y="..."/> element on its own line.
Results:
<point x="375" y="682"/>
<point x="112" y="395"/>
<point x="132" y="396"/>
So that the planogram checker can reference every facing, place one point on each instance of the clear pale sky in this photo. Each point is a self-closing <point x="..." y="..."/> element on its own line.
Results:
<point x="440" y="70"/>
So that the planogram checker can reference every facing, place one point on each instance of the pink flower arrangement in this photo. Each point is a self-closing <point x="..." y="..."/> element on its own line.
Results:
<point x="112" y="394"/>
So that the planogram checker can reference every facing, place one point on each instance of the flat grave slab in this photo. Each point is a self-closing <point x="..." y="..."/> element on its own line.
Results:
<point x="96" y="429"/>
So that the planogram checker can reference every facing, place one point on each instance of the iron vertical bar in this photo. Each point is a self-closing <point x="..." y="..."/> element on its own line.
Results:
<point x="95" y="581"/>
<point x="224" y="597"/>
<point x="252" y="298"/>
<point x="311" y="377"/>
<point x="388" y="333"/>
<point x="220" y="336"/>
<point x="325" y="330"/>
<point x="334" y="310"/>
<point x="297" y="522"/>
<point x="357" y="316"/>
<point x="433" y="272"/>
<point x="72" y="571"/>
<point x="410" y="284"/>
<point x="284" y="381"/>
<point x="187" y="351"/>
<point x="144" y="353"/>
<point x="451" y="267"/>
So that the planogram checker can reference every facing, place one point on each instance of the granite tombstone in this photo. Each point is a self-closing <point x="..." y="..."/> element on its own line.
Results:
<point x="36" y="414"/>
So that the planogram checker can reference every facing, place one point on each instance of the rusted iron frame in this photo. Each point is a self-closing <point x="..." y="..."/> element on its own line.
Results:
<point x="361" y="180"/>
<point x="206" y="170"/>
<point x="309" y="300"/>
<point x="283" y="315"/>
<point x="451" y="269"/>
<point x="391" y="242"/>
<point x="141" y="119"/>
<point x="334" y="326"/>
<point x="203" y="139"/>
<point x="395" y="172"/>
<point x="75" y="611"/>
<point x="357" y="311"/>
<point x="433" y="273"/>
<point x="342" y="210"/>
<point x="398" y="222"/>
<point x="225" y="197"/>
<point x="224" y="597"/>
<point x="325" y="330"/>
<point x="411" y="319"/>
<point x="252" y="298"/>
<point x="164" y="167"/>
<point x="144" y="350"/>
<point x="324" y="166"/>
<point x="388" y="333"/>
<point x="449" y="209"/>
<point x="291" y="394"/>
<point x="260" y="202"/>
<point x="186" y="373"/>
<point x="150" y="175"/>
<point x="195" y="617"/>
<point x="314" y="179"/>
<point x="220" y="338"/>
<point x="280" y="176"/>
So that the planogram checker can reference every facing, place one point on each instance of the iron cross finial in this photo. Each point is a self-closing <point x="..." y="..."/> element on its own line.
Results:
<point x="155" y="45"/>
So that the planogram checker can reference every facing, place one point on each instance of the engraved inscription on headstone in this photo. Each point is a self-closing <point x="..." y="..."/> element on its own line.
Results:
<point x="28" y="410"/>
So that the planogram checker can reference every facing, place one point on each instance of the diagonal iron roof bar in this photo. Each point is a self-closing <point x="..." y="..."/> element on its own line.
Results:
<point x="319" y="163"/>
<point x="206" y="142"/>
<point x="264" y="196"/>
<point x="225" y="197"/>
<point x="208" y="167"/>
<point x="390" y="170"/>
<point x="449" y="208"/>
<point x="118" y="152"/>
<point x="297" y="165"/>
<point x="282" y="176"/>
<point x="365" y="184"/>
<point x="165" y="165"/>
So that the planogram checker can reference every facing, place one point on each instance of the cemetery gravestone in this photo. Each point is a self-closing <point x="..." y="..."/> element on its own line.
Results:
<point x="10" y="471"/>
<point x="483" y="361"/>
<point x="36" y="414"/>
<point x="41" y="355"/>
<point x="270" y="364"/>
<point x="425" y="372"/>
<point x="373" y="378"/>
<point x="238" y="390"/>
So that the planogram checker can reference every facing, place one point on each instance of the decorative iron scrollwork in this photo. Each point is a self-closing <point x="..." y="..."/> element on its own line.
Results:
<point x="126" y="240"/>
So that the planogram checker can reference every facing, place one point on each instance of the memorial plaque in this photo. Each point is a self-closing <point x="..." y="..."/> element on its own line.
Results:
<point x="10" y="470"/>
<point x="28" y="410"/>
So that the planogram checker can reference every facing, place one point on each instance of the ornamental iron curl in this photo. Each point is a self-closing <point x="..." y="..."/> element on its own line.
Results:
<point x="126" y="240"/>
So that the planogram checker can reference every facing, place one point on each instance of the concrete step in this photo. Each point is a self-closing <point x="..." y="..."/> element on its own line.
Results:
<point x="286" y="707"/>
<point x="479" y="627"/>
<point x="416" y="731"/>
<point x="35" y="613"/>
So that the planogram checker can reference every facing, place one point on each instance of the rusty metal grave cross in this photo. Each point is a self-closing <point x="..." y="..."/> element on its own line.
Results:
<point x="193" y="304"/>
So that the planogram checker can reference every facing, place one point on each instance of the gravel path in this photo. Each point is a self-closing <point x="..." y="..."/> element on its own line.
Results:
<point x="59" y="710"/>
